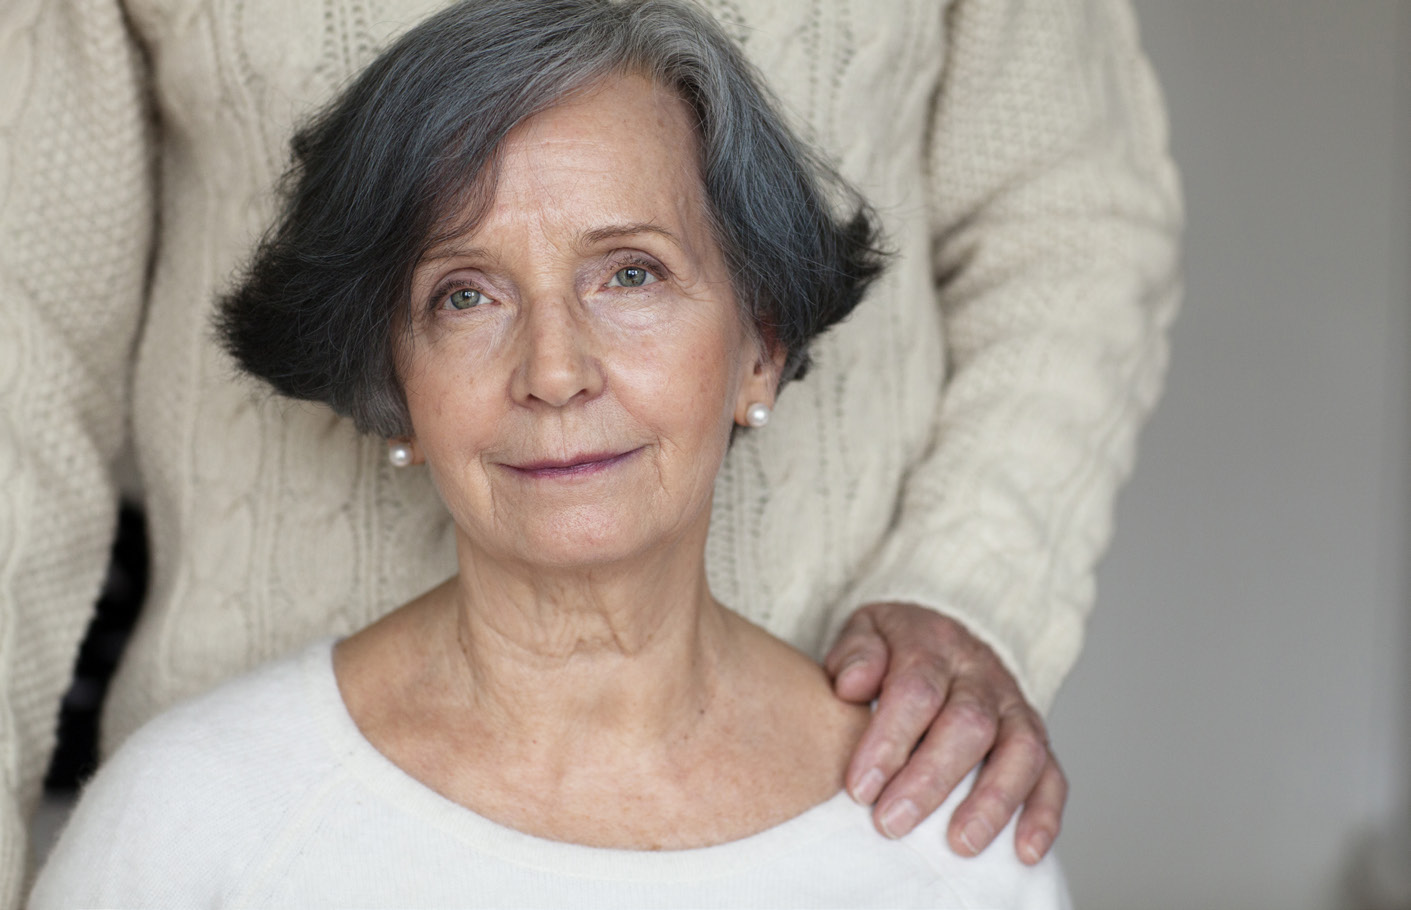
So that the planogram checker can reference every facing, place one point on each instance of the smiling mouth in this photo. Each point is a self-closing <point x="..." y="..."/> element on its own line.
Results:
<point x="575" y="466"/>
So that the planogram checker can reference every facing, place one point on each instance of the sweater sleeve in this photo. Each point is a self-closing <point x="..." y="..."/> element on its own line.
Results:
<point x="76" y="192"/>
<point x="1055" y="220"/>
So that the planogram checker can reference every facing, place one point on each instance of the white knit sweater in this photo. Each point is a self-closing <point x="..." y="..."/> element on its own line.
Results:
<point x="958" y="444"/>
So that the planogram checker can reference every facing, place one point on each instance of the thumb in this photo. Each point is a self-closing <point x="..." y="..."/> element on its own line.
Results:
<point x="858" y="660"/>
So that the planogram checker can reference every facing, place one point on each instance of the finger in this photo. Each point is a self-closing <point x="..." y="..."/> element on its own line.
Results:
<point x="1007" y="779"/>
<point x="956" y="742"/>
<point x="858" y="660"/>
<point x="912" y="695"/>
<point x="1042" y="817"/>
<point x="916" y="758"/>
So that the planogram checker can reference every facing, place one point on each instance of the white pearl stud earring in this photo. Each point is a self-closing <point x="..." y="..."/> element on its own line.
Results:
<point x="758" y="414"/>
<point x="400" y="454"/>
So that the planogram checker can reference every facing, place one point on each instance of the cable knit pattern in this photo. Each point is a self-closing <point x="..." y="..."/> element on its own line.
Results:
<point x="75" y="192"/>
<point x="1056" y="245"/>
<point x="958" y="445"/>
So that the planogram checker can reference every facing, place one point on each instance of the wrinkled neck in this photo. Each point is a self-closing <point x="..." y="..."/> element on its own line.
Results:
<point x="628" y="651"/>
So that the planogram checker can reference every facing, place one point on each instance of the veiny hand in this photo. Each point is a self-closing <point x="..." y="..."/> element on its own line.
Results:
<point x="945" y="695"/>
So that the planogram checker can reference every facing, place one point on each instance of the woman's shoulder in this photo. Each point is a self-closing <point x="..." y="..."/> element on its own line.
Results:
<point x="994" y="878"/>
<point x="835" y="857"/>
<point x="216" y="775"/>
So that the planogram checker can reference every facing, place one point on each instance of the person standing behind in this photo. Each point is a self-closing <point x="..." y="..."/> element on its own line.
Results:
<point x="970" y="427"/>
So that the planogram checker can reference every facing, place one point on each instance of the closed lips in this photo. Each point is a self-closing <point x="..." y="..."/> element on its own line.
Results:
<point x="577" y="464"/>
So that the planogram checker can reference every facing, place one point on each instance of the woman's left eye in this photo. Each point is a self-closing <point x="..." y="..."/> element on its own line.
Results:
<point x="463" y="299"/>
<point x="632" y="276"/>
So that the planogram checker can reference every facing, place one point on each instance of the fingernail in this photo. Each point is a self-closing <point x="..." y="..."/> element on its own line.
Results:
<point x="1035" y="847"/>
<point x="868" y="787"/>
<point x="975" y="834"/>
<point x="900" y="818"/>
<point x="849" y="669"/>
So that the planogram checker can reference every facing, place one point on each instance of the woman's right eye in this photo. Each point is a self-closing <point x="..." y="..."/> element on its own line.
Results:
<point x="464" y="299"/>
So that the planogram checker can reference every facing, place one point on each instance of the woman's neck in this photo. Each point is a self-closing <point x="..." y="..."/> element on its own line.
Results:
<point x="627" y="710"/>
<point x="628" y="655"/>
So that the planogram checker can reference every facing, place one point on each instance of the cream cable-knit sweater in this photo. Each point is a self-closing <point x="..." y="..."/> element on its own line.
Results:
<point x="958" y="444"/>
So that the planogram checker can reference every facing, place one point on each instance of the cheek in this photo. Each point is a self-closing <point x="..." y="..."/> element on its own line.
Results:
<point x="454" y="421"/>
<point x="685" y="372"/>
<point x="449" y="389"/>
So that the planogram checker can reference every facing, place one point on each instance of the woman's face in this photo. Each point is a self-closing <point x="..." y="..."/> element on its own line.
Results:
<point x="577" y="360"/>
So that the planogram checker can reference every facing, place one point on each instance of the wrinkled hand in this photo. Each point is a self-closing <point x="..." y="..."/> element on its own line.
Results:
<point x="945" y="695"/>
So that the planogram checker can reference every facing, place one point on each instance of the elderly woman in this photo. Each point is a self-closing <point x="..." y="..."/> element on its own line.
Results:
<point x="558" y="254"/>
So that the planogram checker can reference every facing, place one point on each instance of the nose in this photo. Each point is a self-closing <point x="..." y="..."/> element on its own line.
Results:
<point x="557" y="364"/>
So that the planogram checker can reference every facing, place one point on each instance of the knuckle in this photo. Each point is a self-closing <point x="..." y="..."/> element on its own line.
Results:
<point x="1029" y="747"/>
<point x="936" y="623"/>
<point x="1026" y="716"/>
<point x="922" y="782"/>
<point x="972" y="721"/>
<point x="854" y="638"/>
<point x="921" y="690"/>
<point x="1048" y="820"/>
<point x="891" y="754"/>
<point x="869" y="647"/>
<point x="926" y="666"/>
<point x="994" y="804"/>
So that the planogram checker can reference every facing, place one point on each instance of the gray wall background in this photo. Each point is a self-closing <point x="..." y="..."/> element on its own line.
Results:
<point x="1239" y="718"/>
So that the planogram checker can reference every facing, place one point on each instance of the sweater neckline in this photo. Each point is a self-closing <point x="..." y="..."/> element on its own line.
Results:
<point x="359" y="759"/>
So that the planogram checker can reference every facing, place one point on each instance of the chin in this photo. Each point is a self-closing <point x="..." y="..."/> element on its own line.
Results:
<point x="586" y="539"/>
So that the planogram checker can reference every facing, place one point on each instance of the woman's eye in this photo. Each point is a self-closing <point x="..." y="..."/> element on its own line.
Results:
<point x="633" y="276"/>
<point x="465" y="298"/>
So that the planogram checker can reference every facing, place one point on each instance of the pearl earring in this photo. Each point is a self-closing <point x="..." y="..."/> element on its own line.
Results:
<point x="400" y="454"/>
<point x="758" y="414"/>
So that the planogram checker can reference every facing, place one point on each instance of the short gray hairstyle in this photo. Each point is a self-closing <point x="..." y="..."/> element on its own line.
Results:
<point x="382" y="174"/>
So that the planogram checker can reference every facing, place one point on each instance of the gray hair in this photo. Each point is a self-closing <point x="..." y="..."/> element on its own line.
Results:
<point x="384" y="172"/>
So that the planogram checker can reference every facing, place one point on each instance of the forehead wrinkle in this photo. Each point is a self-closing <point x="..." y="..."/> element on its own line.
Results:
<point x="574" y="150"/>
<point x="598" y="235"/>
<point x="456" y="249"/>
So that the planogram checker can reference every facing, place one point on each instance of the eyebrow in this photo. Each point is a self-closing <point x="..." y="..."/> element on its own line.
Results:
<point x="450" y="250"/>
<point x="613" y="231"/>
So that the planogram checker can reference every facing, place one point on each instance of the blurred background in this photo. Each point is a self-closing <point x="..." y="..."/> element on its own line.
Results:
<point x="1238" y="730"/>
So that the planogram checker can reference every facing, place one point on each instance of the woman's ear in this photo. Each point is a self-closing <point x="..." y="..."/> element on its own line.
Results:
<point x="762" y="384"/>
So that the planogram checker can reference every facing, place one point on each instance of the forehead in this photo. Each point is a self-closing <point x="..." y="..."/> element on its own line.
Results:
<point x="624" y="150"/>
